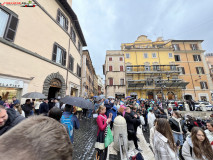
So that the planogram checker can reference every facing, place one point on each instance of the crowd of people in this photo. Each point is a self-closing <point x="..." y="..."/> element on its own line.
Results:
<point x="172" y="136"/>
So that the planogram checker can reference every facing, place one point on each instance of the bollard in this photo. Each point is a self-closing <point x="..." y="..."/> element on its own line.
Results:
<point x="186" y="106"/>
<point x="120" y="127"/>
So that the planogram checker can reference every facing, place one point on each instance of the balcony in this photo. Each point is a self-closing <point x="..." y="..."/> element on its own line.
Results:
<point x="143" y="69"/>
<point x="147" y="47"/>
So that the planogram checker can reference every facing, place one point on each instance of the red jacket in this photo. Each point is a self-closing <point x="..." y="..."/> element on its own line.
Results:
<point x="101" y="121"/>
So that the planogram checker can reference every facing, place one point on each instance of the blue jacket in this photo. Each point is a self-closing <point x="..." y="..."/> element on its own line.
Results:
<point x="43" y="108"/>
<point x="75" y="122"/>
<point x="114" y="112"/>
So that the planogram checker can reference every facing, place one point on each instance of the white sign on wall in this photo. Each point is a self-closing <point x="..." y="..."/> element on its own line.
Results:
<point x="10" y="83"/>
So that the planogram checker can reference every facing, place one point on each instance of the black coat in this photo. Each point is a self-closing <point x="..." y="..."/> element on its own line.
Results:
<point x="43" y="108"/>
<point x="175" y="125"/>
<point x="27" y="108"/>
<point x="13" y="119"/>
<point x="130" y="121"/>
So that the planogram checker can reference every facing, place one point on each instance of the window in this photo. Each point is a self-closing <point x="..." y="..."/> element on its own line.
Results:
<point x="145" y="55"/>
<point x="172" y="68"/>
<point x="156" y="67"/>
<point x="121" y="68"/>
<point x="194" y="47"/>
<point x="78" y="70"/>
<point x="59" y="55"/>
<point x="147" y="68"/>
<point x="200" y="70"/>
<point x="73" y="35"/>
<point x="71" y="63"/>
<point x="110" y="81"/>
<point x="203" y="85"/>
<point x="110" y="58"/>
<point x="154" y="55"/>
<point x="181" y="70"/>
<point x="121" y="58"/>
<point x="110" y="68"/>
<point x="129" y="69"/>
<point x="62" y="20"/>
<point x="127" y="55"/>
<point x="177" y="57"/>
<point x="196" y="57"/>
<point x="121" y="81"/>
<point x="8" y="25"/>
<point x="149" y="82"/>
<point x="170" y="55"/>
<point x="176" y="47"/>
<point x="79" y="46"/>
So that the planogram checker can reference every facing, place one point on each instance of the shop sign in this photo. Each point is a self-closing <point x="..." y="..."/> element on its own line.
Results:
<point x="11" y="83"/>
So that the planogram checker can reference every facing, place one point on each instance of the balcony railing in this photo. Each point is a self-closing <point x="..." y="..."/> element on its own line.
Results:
<point x="147" y="47"/>
<point x="153" y="68"/>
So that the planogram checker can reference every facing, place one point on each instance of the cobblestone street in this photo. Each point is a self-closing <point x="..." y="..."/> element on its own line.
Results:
<point x="84" y="140"/>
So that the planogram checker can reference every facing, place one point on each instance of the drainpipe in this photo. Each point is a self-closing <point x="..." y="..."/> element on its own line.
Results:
<point x="68" y="66"/>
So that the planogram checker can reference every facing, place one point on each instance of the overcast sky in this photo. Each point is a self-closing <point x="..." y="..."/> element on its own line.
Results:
<point x="108" y="23"/>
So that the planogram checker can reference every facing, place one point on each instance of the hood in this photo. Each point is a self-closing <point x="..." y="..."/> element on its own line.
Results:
<point x="189" y="140"/>
<point x="12" y="114"/>
<point x="106" y="101"/>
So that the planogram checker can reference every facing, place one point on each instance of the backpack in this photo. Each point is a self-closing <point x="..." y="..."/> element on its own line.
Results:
<point x="68" y="122"/>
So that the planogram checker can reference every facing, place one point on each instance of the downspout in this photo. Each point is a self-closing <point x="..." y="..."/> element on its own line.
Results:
<point x="68" y="66"/>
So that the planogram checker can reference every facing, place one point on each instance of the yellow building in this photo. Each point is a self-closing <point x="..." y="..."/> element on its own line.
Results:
<point x="151" y="69"/>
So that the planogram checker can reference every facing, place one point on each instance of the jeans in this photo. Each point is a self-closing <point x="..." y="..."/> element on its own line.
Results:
<point x="178" y="137"/>
<point x="90" y="113"/>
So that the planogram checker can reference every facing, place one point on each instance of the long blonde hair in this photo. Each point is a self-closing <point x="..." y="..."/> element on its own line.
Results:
<point x="18" y="107"/>
<point x="100" y="108"/>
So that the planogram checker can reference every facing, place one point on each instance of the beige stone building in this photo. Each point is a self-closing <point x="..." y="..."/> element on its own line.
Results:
<point x="89" y="78"/>
<point x="114" y="71"/>
<point x="209" y="61"/>
<point x="100" y="85"/>
<point x="40" y="49"/>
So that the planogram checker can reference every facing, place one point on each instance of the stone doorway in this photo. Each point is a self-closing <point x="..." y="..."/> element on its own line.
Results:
<point x="150" y="95"/>
<point x="54" y="86"/>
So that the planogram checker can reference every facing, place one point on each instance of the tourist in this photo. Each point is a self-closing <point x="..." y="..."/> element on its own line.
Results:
<point x="8" y="119"/>
<point x="6" y="104"/>
<point x="18" y="108"/>
<point x="164" y="146"/>
<point x="69" y="119"/>
<point x="102" y="122"/>
<point x="130" y="127"/>
<point x="209" y="131"/>
<point x="44" y="107"/>
<point x="151" y="118"/>
<point x="27" y="108"/>
<point x="197" y="146"/>
<point x="36" y="138"/>
<point x="152" y="132"/>
<point x="37" y="104"/>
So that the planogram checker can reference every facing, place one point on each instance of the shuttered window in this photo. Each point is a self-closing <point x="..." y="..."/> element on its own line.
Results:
<point x="71" y="63"/>
<point x="110" y="68"/>
<point x="78" y="70"/>
<point x="73" y="35"/>
<point x="110" y="58"/>
<point x="62" y="20"/>
<point x="176" y="47"/>
<point x="200" y="70"/>
<point x="203" y="85"/>
<point x="59" y="55"/>
<point x="8" y="24"/>
<point x="177" y="57"/>
<point x="182" y="70"/>
<point x="121" y="68"/>
<point x="194" y="46"/>
<point x="110" y="81"/>
<point x="121" y="58"/>
<point x="196" y="57"/>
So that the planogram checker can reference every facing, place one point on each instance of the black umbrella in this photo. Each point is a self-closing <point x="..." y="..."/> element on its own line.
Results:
<point x="78" y="101"/>
<point x="34" y="95"/>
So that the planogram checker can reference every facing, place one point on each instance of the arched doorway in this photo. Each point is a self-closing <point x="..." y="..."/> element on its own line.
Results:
<point x="159" y="95"/>
<point x="188" y="97"/>
<point x="150" y="95"/>
<point x="54" y="86"/>
<point x="171" y="95"/>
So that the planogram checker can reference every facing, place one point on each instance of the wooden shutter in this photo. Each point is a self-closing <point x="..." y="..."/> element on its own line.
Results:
<point x="121" y="58"/>
<point x="110" y="68"/>
<point x="197" y="70"/>
<point x="54" y="53"/>
<point x="201" y="85"/>
<point x="121" y="68"/>
<point x="110" y="58"/>
<point x="196" y="46"/>
<point x="183" y="70"/>
<point x="199" y="57"/>
<point x="206" y="85"/>
<point x="178" y="47"/>
<point x="191" y="46"/>
<point x="64" y="57"/>
<point x="194" y="57"/>
<point x="58" y="16"/>
<point x="11" y="29"/>
<point x="66" y="24"/>
<point x="110" y="81"/>
<point x="202" y="70"/>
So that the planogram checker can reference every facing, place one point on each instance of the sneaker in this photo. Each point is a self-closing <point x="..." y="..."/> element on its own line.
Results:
<point x="139" y="150"/>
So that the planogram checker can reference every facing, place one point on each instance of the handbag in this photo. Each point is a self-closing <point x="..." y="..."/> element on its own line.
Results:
<point x="108" y="138"/>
